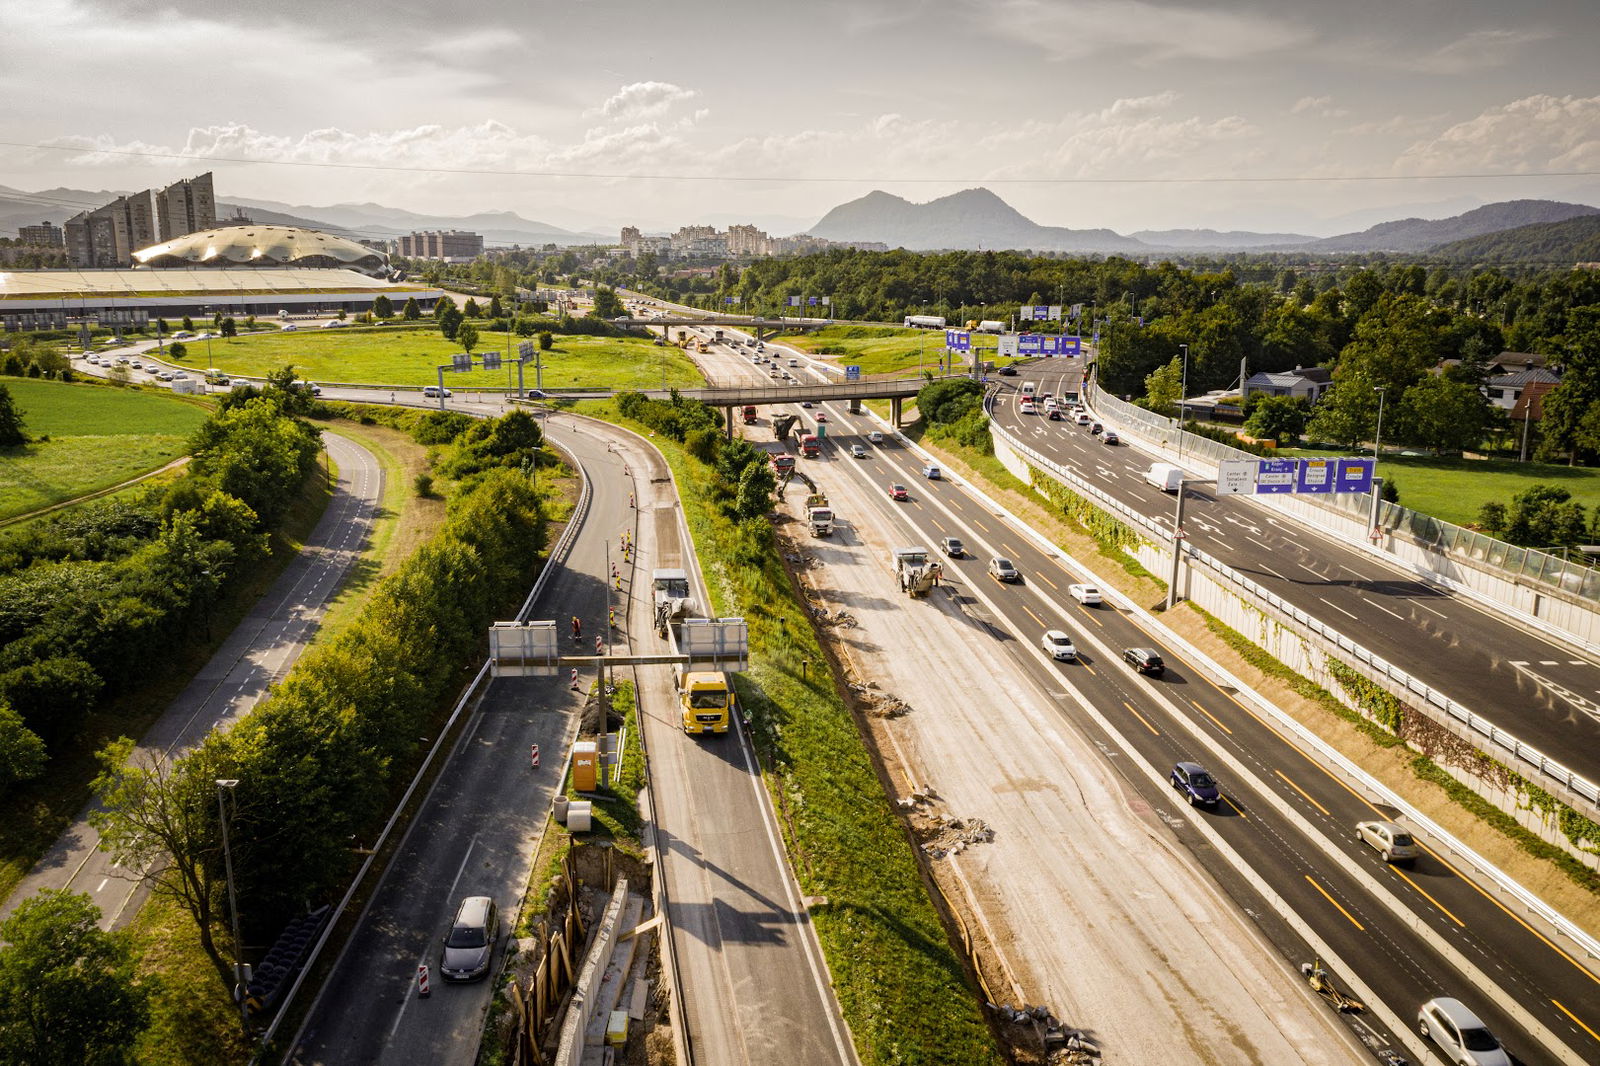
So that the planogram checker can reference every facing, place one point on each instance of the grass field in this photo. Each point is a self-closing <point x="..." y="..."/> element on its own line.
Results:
<point x="1455" y="489"/>
<point x="406" y="357"/>
<point x="878" y="349"/>
<point x="98" y="437"/>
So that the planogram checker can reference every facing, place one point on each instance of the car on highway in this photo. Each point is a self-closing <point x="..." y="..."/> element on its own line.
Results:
<point x="898" y="491"/>
<point x="953" y="547"/>
<point x="1082" y="418"/>
<point x="932" y="472"/>
<point x="1027" y="408"/>
<point x="1389" y="840"/>
<point x="875" y="437"/>
<point x="1087" y="595"/>
<point x="1110" y="437"/>
<point x="1144" y="661"/>
<point x="1197" y="786"/>
<point x="794" y="362"/>
<point x="469" y="945"/>
<point x="1058" y="645"/>
<point x="1000" y="569"/>
<point x="757" y="360"/>
<point x="1096" y="429"/>
<point x="858" y="451"/>
<point x="334" y="323"/>
<point x="183" y="335"/>
<point x="1054" y="414"/>
<point x="822" y="419"/>
<point x="1460" y="1034"/>
<point x="806" y="404"/>
<point x="432" y="392"/>
<point x="1007" y="371"/>
<point x="136" y="365"/>
<point x="288" y="327"/>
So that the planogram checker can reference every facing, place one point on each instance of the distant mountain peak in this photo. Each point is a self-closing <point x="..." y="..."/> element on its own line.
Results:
<point x="969" y="219"/>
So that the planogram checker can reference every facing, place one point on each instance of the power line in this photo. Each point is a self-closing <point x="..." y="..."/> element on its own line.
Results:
<point x="1283" y="179"/>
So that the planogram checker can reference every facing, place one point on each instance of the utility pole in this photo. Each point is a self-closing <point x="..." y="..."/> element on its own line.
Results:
<point x="1377" y="442"/>
<point x="241" y="972"/>
<point x="1177" y="545"/>
<point x="1183" y="393"/>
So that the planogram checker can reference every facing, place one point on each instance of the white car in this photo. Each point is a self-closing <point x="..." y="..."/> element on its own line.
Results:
<point x="334" y="323"/>
<point x="858" y="451"/>
<point x="432" y="392"/>
<point x="1058" y="646"/>
<point x="1460" y="1034"/>
<point x="1082" y="418"/>
<point x="288" y="327"/>
<point x="1388" y="840"/>
<point x="875" y="437"/>
<point x="1028" y="408"/>
<point x="1087" y="595"/>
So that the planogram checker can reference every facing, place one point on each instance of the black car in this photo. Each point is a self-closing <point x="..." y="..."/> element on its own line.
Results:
<point x="1144" y="660"/>
<point x="1007" y="371"/>
<point x="1197" y="786"/>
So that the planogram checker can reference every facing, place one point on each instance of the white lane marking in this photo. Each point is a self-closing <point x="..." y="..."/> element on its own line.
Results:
<point x="101" y="887"/>
<point x="1577" y="662"/>
<point x="1257" y="543"/>
<point x="1549" y="662"/>
<point x="1430" y="610"/>
<point x="1336" y="607"/>
<point x="1519" y="662"/>
<point x="1380" y="607"/>
<point x="1271" y="571"/>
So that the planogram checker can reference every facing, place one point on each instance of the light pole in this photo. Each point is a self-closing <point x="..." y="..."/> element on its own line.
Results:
<point x="1183" y="392"/>
<point x="241" y="973"/>
<point x="1377" y="441"/>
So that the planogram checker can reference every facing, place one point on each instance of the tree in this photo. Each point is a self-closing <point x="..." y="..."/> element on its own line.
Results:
<point x="411" y="311"/>
<point x="52" y="695"/>
<point x="471" y="308"/>
<point x="230" y="328"/>
<point x="176" y="350"/>
<point x="495" y="309"/>
<point x="1442" y="415"/>
<point x="383" y="307"/>
<point x="756" y="486"/>
<point x="450" y="322"/>
<point x="1162" y="387"/>
<point x="607" y="304"/>
<point x="1543" y="516"/>
<point x="444" y="305"/>
<point x="188" y="323"/>
<point x="1279" y="418"/>
<point x="467" y="336"/>
<point x="1346" y="414"/>
<point x="12" y="428"/>
<point x="159" y="817"/>
<point x="547" y="341"/>
<point x="22" y="754"/>
<point x="68" y="992"/>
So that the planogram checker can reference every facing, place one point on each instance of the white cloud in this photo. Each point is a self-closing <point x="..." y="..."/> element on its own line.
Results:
<point x="1535" y="133"/>
<point x="1478" y="50"/>
<point x="1317" y="105"/>
<point x="644" y="99"/>
<point x="1146" y="33"/>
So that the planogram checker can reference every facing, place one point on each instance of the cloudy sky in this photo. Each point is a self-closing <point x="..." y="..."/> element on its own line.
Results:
<point x="1303" y="115"/>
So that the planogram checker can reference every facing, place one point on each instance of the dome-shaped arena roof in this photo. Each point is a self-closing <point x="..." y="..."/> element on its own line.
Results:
<point x="262" y="246"/>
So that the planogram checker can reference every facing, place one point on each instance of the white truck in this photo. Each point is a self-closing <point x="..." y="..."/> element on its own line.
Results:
<point x="819" y="516"/>
<point x="989" y="325"/>
<point x="670" y="595"/>
<point x="913" y="570"/>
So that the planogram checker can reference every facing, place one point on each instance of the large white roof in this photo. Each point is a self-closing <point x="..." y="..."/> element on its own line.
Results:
<point x="267" y="246"/>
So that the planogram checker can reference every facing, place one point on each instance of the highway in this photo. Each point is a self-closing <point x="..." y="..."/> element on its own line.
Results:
<point x="1534" y="688"/>
<point x="259" y="652"/>
<point x="1407" y="935"/>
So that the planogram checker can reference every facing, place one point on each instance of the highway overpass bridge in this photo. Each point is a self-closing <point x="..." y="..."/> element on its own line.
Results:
<point x="759" y="327"/>
<point x="732" y="397"/>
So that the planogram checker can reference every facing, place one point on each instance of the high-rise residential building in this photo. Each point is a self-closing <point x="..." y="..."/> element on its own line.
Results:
<point x="440" y="244"/>
<point x="44" y="235"/>
<point x="108" y="236"/>
<point x="746" y="240"/>
<point x="186" y="207"/>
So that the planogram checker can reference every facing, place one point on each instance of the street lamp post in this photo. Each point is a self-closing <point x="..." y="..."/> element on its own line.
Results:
<point x="1377" y="437"/>
<point x="241" y="974"/>
<point x="1183" y="392"/>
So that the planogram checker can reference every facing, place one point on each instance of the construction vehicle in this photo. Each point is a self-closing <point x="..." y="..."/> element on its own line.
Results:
<point x="819" y="516"/>
<point x="912" y="569"/>
<point x="700" y="346"/>
<point x="783" y="464"/>
<point x="748" y="413"/>
<point x="1322" y="984"/>
<point x="782" y="424"/>
<point x="670" y="595"/>
<point x="707" y="700"/>
<point x="810" y="447"/>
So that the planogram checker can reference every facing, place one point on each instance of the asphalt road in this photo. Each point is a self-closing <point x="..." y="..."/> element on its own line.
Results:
<point x="259" y="651"/>
<point x="1408" y="934"/>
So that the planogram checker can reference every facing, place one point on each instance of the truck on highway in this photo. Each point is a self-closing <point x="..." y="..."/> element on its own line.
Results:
<point x="700" y="346"/>
<point x="990" y="325"/>
<point x="716" y="334"/>
<point x="819" y="516"/>
<point x="782" y="463"/>
<point x="707" y="701"/>
<point x="925" y="321"/>
<point x="810" y="446"/>
<point x="748" y="413"/>
<point x="913" y="570"/>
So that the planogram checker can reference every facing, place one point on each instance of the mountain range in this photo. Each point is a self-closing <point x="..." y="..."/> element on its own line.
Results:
<point x="977" y="219"/>
<point x="970" y="219"/>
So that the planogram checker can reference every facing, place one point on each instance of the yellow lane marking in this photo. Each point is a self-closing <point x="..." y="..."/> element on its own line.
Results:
<point x="1546" y="941"/>
<point x="1087" y="667"/>
<point x="1211" y="716"/>
<point x="1141" y="718"/>
<point x="1335" y="902"/>
<point x="1574" y="1018"/>
<point x="1430" y="899"/>
<point x="1033" y="616"/>
<point x="1303" y="794"/>
<point x="1007" y="549"/>
<point x="980" y="525"/>
<point x="1090" y="615"/>
<point x="1235" y="807"/>
<point x="1047" y="581"/>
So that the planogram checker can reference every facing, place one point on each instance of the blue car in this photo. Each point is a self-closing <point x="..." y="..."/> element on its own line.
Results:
<point x="1191" y="779"/>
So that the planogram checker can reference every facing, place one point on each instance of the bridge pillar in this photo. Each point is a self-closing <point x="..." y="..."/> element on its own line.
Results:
<point x="729" y="411"/>
<point x="895" y="403"/>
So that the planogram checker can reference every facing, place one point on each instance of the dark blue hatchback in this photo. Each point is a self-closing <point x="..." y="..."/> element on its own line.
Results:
<point x="1191" y="779"/>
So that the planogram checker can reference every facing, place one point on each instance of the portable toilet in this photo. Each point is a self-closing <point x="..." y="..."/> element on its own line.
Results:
<point x="585" y="766"/>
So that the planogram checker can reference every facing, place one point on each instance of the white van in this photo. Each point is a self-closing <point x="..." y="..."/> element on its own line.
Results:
<point x="1028" y="388"/>
<point x="1164" y="476"/>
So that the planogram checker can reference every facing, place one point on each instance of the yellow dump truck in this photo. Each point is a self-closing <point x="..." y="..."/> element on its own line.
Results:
<point x="707" y="700"/>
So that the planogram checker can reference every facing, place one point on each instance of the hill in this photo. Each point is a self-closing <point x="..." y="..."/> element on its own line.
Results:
<point x="970" y="219"/>
<point x="1575" y="240"/>
<point x="1210" y="240"/>
<point x="1420" y="234"/>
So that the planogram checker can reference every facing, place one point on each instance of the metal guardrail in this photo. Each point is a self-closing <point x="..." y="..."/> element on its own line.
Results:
<point x="1516" y="564"/>
<point x="1489" y="873"/>
<point x="1384" y="671"/>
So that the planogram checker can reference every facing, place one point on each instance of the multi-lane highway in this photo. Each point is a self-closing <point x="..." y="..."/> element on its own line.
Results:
<point x="1406" y="934"/>
<point x="1533" y="688"/>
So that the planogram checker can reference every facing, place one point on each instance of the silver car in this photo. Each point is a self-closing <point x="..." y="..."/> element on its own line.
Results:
<point x="1388" y="839"/>
<point x="470" y="943"/>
